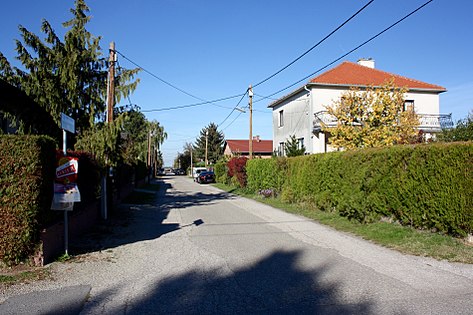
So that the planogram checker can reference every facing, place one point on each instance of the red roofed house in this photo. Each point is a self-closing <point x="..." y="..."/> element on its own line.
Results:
<point x="261" y="148"/>
<point x="302" y="112"/>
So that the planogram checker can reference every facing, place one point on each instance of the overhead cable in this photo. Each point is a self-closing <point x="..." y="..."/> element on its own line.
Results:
<point x="346" y="54"/>
<point x="244" y="94"/>
<point x="313" y="47"/>
<point x="212" y="102"/>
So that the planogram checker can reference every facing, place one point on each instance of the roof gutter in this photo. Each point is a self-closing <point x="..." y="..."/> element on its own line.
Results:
<point x="285" y="97"/>
<point x="344" y="86"/>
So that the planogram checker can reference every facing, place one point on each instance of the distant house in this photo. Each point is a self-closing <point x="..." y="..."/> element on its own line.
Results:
<point x="261" y="148"/>
<point x="302" y="112"/>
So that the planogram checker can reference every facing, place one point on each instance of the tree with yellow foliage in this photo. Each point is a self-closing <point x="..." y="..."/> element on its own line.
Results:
<point x="374" y="117"/>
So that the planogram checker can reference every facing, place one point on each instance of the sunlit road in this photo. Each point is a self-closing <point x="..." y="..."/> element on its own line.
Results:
<point x="201" y="251"/>
<point x="226" y="254"/>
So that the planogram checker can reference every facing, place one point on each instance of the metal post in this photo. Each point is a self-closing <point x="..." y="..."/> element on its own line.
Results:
<point x="66" y="227"/>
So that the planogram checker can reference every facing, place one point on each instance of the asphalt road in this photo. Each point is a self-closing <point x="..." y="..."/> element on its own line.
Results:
<point x="198" y="250"/>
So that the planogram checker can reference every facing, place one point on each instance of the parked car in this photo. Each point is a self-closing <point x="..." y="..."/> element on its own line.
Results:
<point x="169" y="171"/>
<point x="206" y="177"/>
<point x="196" y="171"/>
<point x="179" y="171"/>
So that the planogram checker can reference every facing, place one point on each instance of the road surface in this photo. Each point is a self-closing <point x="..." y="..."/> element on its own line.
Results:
<point x="198" y="250"/>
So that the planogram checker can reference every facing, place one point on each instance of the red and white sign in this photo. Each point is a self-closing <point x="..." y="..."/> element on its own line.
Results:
<point x="65" y="186"/>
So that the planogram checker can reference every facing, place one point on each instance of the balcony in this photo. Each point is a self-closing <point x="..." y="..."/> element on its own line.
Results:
<point x="323" y="119"/>
<point x="435" y="122"/>
<point x="431" y="123"/>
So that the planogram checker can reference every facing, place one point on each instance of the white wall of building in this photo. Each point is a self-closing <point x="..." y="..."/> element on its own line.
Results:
<point x="298" y="118"/>
<point x="299" y="110"/>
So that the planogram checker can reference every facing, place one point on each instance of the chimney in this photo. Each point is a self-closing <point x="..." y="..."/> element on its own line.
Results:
<point x="366" y="62"/>
<point x="256" y="138"/>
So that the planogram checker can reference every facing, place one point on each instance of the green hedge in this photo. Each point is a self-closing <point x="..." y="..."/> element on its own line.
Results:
<point x="221" y="172"/>
<point x="26" y="190"/>
<point x="425" y="186"/>
<point x="266" y="174"/>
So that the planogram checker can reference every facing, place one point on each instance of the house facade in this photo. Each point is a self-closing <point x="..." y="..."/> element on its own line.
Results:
<point x="303" y="111"/>
<point x="261" y="148"/>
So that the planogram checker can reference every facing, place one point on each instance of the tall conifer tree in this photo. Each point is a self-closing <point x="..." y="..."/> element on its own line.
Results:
<point x="65" y="76"/>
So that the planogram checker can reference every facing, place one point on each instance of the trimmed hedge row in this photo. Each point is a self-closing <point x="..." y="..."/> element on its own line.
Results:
<point x="424" y="186"/>
<point x="26" y="190"/>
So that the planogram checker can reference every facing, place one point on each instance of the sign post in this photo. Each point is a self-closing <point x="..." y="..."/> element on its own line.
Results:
<point x="66" y="191"/>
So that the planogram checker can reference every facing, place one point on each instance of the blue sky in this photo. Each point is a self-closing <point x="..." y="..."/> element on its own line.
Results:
<point x="214" y="49"/>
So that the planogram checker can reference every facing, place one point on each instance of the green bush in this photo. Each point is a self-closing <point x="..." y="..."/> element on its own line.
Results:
<point x="424" y="186"/>
<point x="26" y="190"/>
<point x="266" y="174"/>
<point x="221" y="172"/>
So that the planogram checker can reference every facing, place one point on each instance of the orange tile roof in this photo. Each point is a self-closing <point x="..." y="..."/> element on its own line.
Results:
<point x="241" y="146"/>
<point x="353" y="74"/>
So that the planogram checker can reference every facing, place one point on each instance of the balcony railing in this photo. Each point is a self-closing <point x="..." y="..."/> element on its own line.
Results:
<point x="323" y="119"/>
<point x="435" y="123"/>
<point x="427" y="122"/>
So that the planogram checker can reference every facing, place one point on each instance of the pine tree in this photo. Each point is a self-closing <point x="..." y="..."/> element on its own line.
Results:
<point x="292" y="147"/>
<point x="215" y="141"/>
<point x="66" y="76"/>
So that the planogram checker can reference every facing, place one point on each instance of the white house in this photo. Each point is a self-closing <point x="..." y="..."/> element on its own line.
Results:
<point x="302" y="112"/>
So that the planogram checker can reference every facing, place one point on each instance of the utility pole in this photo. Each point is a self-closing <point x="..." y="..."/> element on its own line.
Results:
<point x="250" y="103"/>
<point x="111" y="83"/>
<point x="192" y="163"/>
<point x="206" y="147"/>
<point x="110" y="102"/>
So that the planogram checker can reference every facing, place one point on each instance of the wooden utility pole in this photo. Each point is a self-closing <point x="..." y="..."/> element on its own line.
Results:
<point x="111" y="83"/>
<point x="206" y="147"/>
<point x="250" y="103"/>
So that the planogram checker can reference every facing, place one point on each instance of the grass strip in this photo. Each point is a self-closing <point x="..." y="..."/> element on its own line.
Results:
<point x="404" y="239"/>
<point x="24" y="276"/>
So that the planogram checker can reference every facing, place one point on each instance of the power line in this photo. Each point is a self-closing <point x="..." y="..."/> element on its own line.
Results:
<point x="348" y="53"/>
<point x="192" y="105"/>
<point x="212" y="102"/>
<point x="313" y="47"/>
<point x="231" y="123"/>
<point x="160" y="79"/>
<point x="244" y="94"/>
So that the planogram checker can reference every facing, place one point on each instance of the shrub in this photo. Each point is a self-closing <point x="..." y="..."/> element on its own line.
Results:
<point x="424" y="186"/>
<point x="237" y="171"/>
<point x="26" y="190"/>
<point x="221" y="172"/>
<point x="266" y="174"/>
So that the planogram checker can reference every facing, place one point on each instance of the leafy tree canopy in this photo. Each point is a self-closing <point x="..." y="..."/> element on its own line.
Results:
<point x="374" y="117"/>
<point x="183" y="160"/>
<point x="463" y="131"/>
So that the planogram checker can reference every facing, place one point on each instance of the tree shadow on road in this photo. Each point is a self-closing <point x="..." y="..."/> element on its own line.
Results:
<point x="273" y="285"/>
<point x="130" y="223"/>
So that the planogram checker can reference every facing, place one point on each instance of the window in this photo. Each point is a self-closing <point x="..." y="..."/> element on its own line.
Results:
<point x="300" y="143"/>
<point x="408" y="105"/>
<point x="281" y="149"/>
<point x="281" y="118"/>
